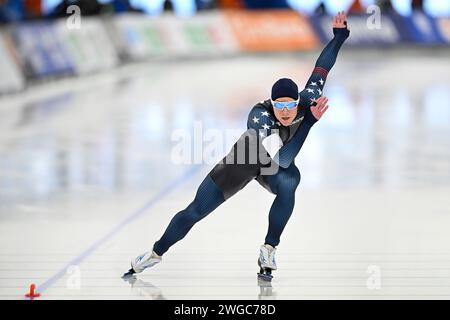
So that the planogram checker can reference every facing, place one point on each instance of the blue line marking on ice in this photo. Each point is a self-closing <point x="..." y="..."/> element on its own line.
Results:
<point x="133" y="216"/>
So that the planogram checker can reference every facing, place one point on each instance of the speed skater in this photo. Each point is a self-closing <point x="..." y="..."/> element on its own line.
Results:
<point x="276" y="131"/>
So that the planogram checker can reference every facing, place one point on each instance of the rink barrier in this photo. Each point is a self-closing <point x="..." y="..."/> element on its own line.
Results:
<point x="90" y="48"/>
<point x="360" y="34"/>
<point x="394" y="30"/>
<point x="419" y="29"/>
<point x="274" y="30"/>
<point x="443" y="25"/>
<point x="140" y="37"/>
<point x="41" y="50"/>
<point x="425" y="29"/>
<point x="50" y="49"/>
<point x="11" y="79"/>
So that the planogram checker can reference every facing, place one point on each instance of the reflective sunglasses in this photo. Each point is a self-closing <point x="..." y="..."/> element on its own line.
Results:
<point x="281" y="105"/>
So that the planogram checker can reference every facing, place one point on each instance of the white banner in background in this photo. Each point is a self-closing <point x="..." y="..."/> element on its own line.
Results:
<point x="141" y="37"/>
<point x="90" y="47"/>
<point x="207" y="33"/>
<point x="11" y="78"/>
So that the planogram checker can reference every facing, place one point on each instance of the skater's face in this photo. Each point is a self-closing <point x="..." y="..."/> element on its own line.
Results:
<point x="285" y="116"/>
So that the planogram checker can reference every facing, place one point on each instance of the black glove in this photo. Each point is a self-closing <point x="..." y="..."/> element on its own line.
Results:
<point x="341" y="32"/>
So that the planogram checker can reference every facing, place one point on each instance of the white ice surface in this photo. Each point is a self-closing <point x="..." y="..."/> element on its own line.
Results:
<point x="78" y="157"/>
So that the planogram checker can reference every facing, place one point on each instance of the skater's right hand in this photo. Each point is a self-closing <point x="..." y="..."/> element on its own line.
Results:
<point x="319" y="109"/>
<point x="340" y="20"/>
<point x="340" y="28"/>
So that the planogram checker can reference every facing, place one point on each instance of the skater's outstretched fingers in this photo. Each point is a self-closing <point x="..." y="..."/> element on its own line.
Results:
<point x="339" y="20"/>
<point x="323" y="102"/>
<point x="335" y="21"/>
<point x="344" y="20"/>
<point x="319" y="109"/>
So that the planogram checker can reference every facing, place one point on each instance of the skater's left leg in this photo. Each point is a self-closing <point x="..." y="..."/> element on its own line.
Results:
<point x="283" y="184"/>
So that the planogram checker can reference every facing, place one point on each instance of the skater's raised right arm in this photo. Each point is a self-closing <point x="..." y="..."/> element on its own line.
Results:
<point x="316" y="82"/>
<point x="311" y="97"/>
<point x="289" y="105"/>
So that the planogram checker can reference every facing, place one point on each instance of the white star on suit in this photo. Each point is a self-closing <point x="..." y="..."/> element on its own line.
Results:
<point x="313" y="100"/>
<point x="310" y="90"/>
<point x="314" y="83"/>
<point x="261" y="134"/>
<point x="266" y="127"/>
<point x="265" y="113"/>
<point x="255" y="120"/>
<point x="320" y="91"/>
<point x="321" y="81"/>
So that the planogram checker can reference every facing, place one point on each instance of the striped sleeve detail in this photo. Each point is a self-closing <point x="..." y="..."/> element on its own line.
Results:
<point x="323" y="72"/>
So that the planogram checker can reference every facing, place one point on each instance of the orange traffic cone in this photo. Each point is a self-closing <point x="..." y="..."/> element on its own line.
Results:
<point x="32" y="293"/>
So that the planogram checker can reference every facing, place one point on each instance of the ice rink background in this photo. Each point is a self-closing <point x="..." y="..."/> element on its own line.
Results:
<point x="87" y="182"/>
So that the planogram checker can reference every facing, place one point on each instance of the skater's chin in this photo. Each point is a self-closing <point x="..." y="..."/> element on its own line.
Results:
<point x="286" y="121"/>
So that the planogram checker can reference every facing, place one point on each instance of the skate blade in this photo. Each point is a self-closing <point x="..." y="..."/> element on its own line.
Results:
<point x="129" y="273"/>
<point x="265" y="277"/>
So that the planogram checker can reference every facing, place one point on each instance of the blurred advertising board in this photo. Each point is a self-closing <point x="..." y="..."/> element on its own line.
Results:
<point x="140" y="37"/>
<point x="362" y="31"/>
<point x="272" y="30"/>
<point x="443" y="25"/>
<point x="88" y="46"/>
<point x="426" y="30"/>
<point x="11" y="76"/>
<point x="418" y="28"/>
<point x="204" y="34"/>
<point x="41" y="50"/>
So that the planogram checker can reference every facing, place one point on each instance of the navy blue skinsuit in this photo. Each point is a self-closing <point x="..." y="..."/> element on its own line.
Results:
<point x="277" y="173"/>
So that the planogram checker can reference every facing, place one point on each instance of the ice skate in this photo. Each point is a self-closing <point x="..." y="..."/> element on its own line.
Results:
<point x="266" y="262"/>
<point x="142" y="262"/>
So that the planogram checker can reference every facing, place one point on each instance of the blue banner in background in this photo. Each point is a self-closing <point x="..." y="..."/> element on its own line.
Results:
<point x="393" y="29"/>
<point x="42" y="51"/>
<point x="362" y="31"/>
<point x="426" y="28"/>
<point x="418" y="28"/>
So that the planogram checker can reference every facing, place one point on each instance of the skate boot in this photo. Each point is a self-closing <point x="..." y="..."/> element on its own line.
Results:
<point x="142" y="262"/>
<point x="266" y="262"/>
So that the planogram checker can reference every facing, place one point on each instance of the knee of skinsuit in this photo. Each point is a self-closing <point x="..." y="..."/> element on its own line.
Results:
<point x="288" y="181"/>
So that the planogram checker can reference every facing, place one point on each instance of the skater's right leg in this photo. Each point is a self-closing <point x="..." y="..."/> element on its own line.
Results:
<point x="208" y="198"/>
